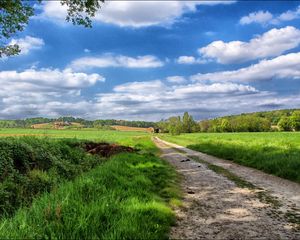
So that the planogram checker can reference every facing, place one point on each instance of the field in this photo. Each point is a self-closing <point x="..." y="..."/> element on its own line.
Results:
<point x="51" y="188"/>
<point x="137" y="139"/>
<point x="125" y="128"/>
<point x="275" y="153"/>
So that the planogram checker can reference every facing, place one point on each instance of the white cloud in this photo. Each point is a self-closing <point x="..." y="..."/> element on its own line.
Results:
<point x="133" y="13"/>
<point x="147" y="61"/>
<point x="23" y="94"/>
<point x="51" y="78"/>
<point x="270" y="44"/>
<point x="266" y="18"/>
<point x="190" y="60"/>
<point x="290" y="15"/>
<point x="140" y="87"/>
<point x="87" y="50"/>
<point x="176" y="79"/>
<point x="260" y="17"/>
<point x="44" y="92"/>
<point x="154" y="100"/>
<point x="282" y="67"/>
<point x="27" y="44"/>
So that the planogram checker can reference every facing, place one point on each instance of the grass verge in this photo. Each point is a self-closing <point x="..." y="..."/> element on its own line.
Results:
<point x="127" y="197"/>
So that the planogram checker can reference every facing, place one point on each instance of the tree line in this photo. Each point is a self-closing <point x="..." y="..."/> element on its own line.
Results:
<point x="279" y="120"/>
<point x="27" y="123"/>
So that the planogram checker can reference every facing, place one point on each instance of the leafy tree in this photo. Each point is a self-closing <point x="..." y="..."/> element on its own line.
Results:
<point x="188" y="123"/>
<point x="204" y="125"/>
<point x="295" y="120"/>
<point x="15" y="14"/>
<point x="284" y="124"/>
<point x="225" y="125"/>
<point x="175" y="125"/>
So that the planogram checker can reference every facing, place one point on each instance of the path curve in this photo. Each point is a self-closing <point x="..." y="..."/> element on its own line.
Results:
<point x="215" y="208"/>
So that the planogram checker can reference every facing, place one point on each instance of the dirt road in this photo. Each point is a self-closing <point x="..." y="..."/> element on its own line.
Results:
<point x="215" y="208"/>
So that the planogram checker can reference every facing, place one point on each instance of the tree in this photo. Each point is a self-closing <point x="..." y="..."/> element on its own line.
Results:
<point x="284" y="124"/>
<point x="15" y="14"/>
<point x="295" y="120"/>
<point x="188" y="123"/>
<point x="225" y="125"/>
<point x="175" y="125"/>
<point x="204" y="125"/>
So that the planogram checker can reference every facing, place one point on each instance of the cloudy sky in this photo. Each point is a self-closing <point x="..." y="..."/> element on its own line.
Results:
<point x="151" y="60"/>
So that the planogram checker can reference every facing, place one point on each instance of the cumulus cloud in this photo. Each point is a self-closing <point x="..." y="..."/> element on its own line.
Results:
<point x="260" y="17"/>
<point x="24" y="94"/>
<point x="190" y="60"/>
<point x="270" y="44"/>
<point x="176" y="79"/>
<point x="27" y="44"/>
<point x="133" y="13"/>
<point x="285" y="66"/>
<point x="147" y="61"/>
<point x="51" y="78"/>
<point x="43" y="92"/>
<point x="266" y="18"/>
<point x="154" y="100"/>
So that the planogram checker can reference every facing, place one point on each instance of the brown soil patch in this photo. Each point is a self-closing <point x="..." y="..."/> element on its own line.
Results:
<point x="106" y="149"/>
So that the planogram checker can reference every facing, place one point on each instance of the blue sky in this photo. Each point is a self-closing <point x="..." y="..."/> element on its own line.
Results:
<point x="151" y="60"/>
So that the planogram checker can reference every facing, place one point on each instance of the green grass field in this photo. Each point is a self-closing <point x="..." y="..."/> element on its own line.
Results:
<point x="134" y="139"/>
<point x="276" y="153"/>
<point x="128" y="196"/>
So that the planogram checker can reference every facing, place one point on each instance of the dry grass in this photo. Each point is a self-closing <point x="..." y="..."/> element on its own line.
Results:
<point x="125" y="128"/>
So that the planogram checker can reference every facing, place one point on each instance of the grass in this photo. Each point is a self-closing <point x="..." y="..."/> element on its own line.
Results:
<point x="125" y="198"/>
<point x="277" y="153"/>
<point x="30" y="166"/>
<point x="129" y="196"/>
<point x="140" y="140"/>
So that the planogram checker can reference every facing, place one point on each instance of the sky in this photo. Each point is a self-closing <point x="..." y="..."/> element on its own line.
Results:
<point x="149" y="60"/>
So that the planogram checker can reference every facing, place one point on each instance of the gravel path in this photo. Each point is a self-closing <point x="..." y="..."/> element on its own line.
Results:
<point x="215" y="208"/>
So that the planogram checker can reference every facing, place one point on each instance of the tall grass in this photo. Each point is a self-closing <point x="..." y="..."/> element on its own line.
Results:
<point x="274" y="153"/>
<point x="30" y="166"/>
<point x="125" y="198"/>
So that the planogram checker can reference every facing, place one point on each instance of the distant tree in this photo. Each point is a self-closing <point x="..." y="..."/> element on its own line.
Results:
<point x="204" y="125"/>
<point x="188" y="123"/>
<point x="295" y="120"/>
<point x="225" y="125"/>
<point x="175" y="125"/>
<point x="15" y="14"/>
<point x="284" y="124"/>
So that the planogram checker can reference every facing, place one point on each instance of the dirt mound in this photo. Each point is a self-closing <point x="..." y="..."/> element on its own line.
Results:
<point x="106" y="149"/>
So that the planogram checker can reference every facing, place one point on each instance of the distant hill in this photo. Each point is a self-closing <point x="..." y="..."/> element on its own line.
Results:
<point x="75" y="122"/>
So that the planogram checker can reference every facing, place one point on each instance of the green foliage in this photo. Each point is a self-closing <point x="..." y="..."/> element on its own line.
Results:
<point x="125" y="198"/>
<point x="284" y="124"/>
<point x="31" y="166"/>
<point x="295" y="121"/>
<point x="275" y="152"/>
<point x="14" y="16"/>
<point x="175" y="125"/>
<point x="254" y="122"/>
